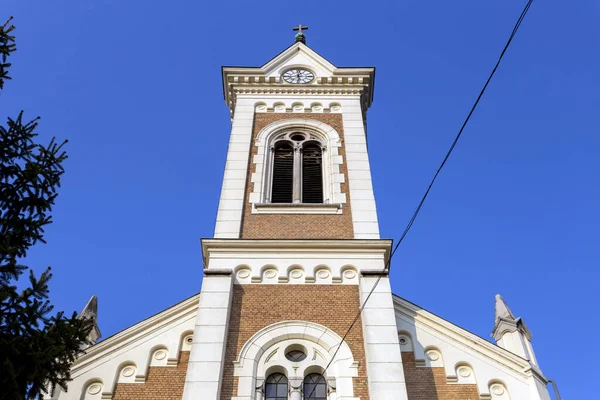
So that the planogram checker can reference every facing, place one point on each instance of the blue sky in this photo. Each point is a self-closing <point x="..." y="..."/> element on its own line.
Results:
<point x="135" y="87"/>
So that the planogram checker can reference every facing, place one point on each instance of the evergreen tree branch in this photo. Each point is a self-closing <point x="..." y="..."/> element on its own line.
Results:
<point x="37" y="347"/>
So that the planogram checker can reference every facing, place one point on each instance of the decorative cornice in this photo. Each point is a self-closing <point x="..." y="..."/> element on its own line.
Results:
<point x="374" y="272"/>
<point x="283" y="246"/>
<point x="308" y="90"/>
<point x="187" y="307"/>
<point x="455" y="333"/>
<point x="234" y="91"/>
<point x="296" y="208"/>
<point x="267" y="79"/>
<point x="217" y="272"/>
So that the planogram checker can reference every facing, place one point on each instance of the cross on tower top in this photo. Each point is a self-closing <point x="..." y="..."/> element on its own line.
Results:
<point x="300" y="27"/>
<point x="300" y="36"/>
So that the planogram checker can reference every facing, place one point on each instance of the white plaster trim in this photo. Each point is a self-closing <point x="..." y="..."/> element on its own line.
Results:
<point x="274" y="358"/>
<point x="186" y="308"/>
<point x="382" y="347"/>
<point x="364" y="211"/>
<point x="271" y="208"/>
<point x="299" y="123"/>
<point x="263" y="353"/>
<point x="290" y="52"/>
<point x="347" y="90"/>
<point x="207" y="357"/>
<point x="127" y="355"/>
<point x="327" y="135"/>
<point x="410" y="312"/>
<point x="459" y="348"/>
<point x="250" y="259"/>
<point x="246" y="248"/>
<point x="328" y="78"/>
<point x="231" y="203"/>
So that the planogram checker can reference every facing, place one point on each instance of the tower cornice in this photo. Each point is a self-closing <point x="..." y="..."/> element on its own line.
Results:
<point x="328" y="79"/>
<point x="283" y="246"/>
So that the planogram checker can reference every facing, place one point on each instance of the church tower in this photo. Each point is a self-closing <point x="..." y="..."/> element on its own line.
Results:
<point x="295" y="254"/>
<point x="296" y="247"/>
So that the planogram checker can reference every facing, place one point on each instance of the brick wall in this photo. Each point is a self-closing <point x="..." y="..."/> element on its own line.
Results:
<point x="290" y="226"/>
<point x="162" y="383"/>
<point x="430" y="383"/>
<point x="256" y="306"/>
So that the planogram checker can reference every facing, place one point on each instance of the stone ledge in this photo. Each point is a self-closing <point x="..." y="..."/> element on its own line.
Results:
<point x="296" y="208"/>
<point x="374" y="272"/>
<point x="218" y="272"/>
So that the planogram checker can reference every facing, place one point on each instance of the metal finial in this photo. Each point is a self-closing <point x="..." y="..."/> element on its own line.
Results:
<point x="300" y="36"/>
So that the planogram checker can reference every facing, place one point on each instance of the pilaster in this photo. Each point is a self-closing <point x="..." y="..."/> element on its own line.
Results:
<point x="384" y="360"/>
<point x="231" y="203"/>
<point x="205" y="368"/>
<point x="364" y="211"/>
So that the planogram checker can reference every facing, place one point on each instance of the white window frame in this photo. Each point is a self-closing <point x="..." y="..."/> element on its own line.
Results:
<point x="298" y="160"/>
<point x="332" y="178"/>
<point x="264" y="354"/>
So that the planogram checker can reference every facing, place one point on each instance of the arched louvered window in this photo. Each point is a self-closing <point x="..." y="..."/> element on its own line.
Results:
<point x="297" y="174"/>
<point x="312" y="173"/>
<point x="283" y="173"/>
<point x="276" y="387"/>
<point x="315" y="387"/>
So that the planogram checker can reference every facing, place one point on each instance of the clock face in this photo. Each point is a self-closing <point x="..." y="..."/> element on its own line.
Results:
<point x="298" y="75"/>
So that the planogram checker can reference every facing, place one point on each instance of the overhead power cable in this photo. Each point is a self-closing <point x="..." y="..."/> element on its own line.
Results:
<point x="418" y="209"/>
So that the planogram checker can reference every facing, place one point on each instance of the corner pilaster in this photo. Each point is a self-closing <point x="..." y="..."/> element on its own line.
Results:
<point x="205" y="368"/>
<point x="382" y="348"/>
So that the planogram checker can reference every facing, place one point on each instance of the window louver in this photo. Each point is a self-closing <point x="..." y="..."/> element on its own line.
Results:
<point x="283" y="174"/>
<point x="312" y="174"/>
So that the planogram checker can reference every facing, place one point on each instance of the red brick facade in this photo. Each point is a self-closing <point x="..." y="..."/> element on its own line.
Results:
<point x="290" y="226"/>
<point x="162" y="383"/>
<point x="430" y="383"/>
<point x="257" y="306"/>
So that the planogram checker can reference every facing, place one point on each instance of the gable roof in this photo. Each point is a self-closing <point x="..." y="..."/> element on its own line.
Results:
<point x="184" y="309"/>
<point x="468" y="339"/>
<point x="267" y="76"/>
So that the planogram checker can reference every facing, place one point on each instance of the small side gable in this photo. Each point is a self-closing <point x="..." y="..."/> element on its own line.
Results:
<point x="465" y="357"/>
<point x="127" y="356"/>
<point x="299" y="55"/>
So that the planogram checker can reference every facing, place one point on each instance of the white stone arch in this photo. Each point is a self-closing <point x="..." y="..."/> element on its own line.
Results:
<point x="405" y="339"/>
<point x="296" y="273"/>
<point x="264" y="352"/>
<point x="349" y="274"/>
<point x="126" y="373"/>
<point x="322" y="273"/>
<point x="92" y="389"/>
<point x="297" y="106"/>
<point x="186" y="339"/>
<point x="158" y="357"/>
<point x="269" y="273"/>
<point x="260" y="106"/>
<point x="498" y="390"/>
<point x="326" y="134"/>
<point x="433" y="357"/>
<point x="464" y="372"/>
<point x="243" y="273"/>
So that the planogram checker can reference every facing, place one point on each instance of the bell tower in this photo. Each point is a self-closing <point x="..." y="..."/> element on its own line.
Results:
<point x="296" y="248"/>
<point x="297" y="165"/>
